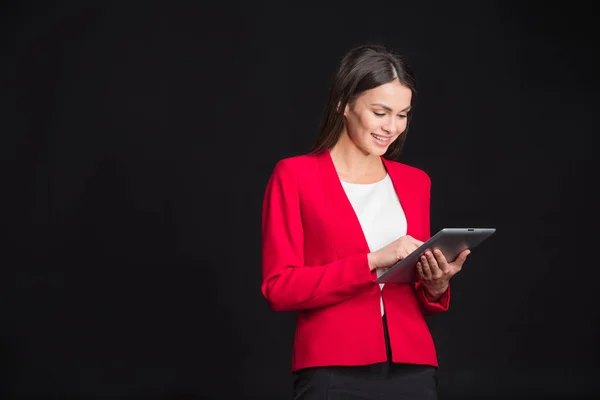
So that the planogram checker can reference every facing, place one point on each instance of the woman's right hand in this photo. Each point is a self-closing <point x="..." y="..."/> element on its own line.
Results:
<point x="393" y="252"/>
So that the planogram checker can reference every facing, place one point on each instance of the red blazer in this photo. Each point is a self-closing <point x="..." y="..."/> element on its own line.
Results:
<point x="314" y="261"/>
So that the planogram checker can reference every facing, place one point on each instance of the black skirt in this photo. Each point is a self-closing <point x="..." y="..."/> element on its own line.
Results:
<point x="376" y="381"/>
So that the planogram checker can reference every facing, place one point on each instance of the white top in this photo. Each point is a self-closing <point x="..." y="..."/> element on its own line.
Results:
<point x="379" y="212"/>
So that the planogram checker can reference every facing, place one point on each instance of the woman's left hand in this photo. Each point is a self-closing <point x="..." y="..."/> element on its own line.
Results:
<point x="434" y="271"/>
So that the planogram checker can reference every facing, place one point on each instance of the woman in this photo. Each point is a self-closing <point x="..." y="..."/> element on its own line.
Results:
<point x="333" y="220"/>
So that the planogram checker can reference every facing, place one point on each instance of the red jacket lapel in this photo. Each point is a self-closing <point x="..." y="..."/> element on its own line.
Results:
<point x="348" y="235"/>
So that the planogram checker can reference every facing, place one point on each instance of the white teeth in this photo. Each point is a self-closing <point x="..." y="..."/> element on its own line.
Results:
<point x="380" y="138"/>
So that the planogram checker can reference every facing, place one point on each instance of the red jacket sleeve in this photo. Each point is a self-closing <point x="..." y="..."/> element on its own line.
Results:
<point x="287" y="283"/>
<point x="432" y="307"/>
<point x="442" y="304"/>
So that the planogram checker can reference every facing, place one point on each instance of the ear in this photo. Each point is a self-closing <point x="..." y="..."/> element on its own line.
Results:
<point x="346" y="108"/>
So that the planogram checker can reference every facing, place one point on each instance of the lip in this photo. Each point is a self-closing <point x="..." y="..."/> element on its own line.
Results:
<point x="382" y="144"/>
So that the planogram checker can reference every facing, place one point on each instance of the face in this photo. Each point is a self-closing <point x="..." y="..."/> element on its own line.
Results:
<point x="378" y="117"/>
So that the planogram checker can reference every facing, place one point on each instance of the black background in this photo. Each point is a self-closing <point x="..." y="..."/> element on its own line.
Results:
<point x="137" y="139"/>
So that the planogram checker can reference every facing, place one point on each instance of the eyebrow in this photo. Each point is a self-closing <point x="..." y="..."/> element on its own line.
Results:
<point x="388" y="108"/>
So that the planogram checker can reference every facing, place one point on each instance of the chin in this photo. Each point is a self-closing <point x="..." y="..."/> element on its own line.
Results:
<point x="378" y="151"/>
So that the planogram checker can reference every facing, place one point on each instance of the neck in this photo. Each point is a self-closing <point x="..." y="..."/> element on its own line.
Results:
<point x="353" y="164"/>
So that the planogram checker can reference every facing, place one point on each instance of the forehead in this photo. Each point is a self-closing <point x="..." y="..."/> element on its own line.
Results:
<point x="393" y="94"/>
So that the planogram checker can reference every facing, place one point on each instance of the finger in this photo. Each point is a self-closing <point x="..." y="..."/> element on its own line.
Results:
<point x="426" y="269"/>
<point x="412" y="240"/>
<point x="463" y="256"/>
<point x="441" y="260"/>
<point x="417" y="243"/>
<point x="424" y="272"/>
<point x="398" y="254"/>
<point x="420" y="270"/>
<point x="460" y="260"/>
<point x="433" y="265"/>
<point x="412" y="248"/>
<point x="402" y="254"/>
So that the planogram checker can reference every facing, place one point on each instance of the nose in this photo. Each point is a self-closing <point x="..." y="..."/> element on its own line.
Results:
<point x="390" y="126"/>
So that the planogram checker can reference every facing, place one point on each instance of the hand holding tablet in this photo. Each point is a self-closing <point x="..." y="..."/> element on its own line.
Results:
<point x="451" y="241"/>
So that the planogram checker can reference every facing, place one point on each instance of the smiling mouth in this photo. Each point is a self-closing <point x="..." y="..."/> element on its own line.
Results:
<point x="382" y="139"/>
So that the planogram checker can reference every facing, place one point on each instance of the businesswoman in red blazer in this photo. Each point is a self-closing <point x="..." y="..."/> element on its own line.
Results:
<point x="336" y="218"/>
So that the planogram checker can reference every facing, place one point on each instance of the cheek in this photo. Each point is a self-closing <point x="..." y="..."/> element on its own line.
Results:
<point x="358" y="126"/>
<point x="402" y="125"/>
<point x="370" y="123"/>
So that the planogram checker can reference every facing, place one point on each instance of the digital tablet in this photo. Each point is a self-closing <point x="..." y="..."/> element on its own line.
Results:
<point x="451" y="241"/>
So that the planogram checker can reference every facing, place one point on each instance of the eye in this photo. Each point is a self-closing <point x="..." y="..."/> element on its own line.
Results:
<point x="379" y="114"/>
<point x="402" y="116"/>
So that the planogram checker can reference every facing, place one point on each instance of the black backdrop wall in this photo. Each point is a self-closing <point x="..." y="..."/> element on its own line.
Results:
<point x="137" y="142"/>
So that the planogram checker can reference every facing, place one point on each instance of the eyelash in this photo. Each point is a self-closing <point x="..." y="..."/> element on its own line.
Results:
<point x="382" y="115"/>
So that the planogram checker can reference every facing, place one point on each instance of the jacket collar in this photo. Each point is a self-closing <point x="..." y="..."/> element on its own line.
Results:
<point x="349" y="237"/>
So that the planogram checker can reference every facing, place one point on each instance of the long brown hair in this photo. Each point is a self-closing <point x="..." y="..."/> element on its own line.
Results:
<point x="362" y="68"/>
